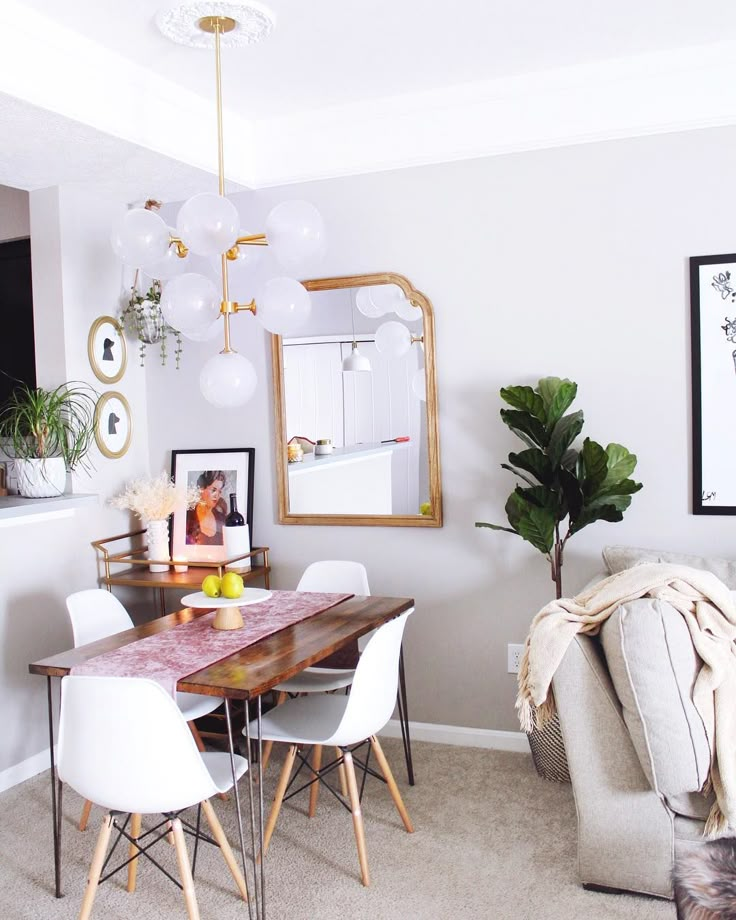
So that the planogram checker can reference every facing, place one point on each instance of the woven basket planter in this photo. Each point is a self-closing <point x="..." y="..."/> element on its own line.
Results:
<point x="548" y="751"/>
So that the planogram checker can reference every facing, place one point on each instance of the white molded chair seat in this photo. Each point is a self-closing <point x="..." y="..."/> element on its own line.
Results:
<point x="96" y="614"/>
<point x="124" y="743"/>
<point x="342" y="721"/>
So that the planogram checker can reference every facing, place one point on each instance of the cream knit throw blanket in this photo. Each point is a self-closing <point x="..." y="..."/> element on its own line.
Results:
<point x="708" y="609"/>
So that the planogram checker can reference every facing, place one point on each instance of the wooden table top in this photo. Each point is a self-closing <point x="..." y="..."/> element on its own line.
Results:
<point x="259" y="667"/>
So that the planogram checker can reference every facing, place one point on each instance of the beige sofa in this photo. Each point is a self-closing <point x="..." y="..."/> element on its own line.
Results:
<point x="636" y="747"/>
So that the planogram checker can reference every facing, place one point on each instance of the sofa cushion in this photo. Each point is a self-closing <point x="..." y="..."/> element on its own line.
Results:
<point x="691" y="804"/>
<point x="618" y="558"/>
<point x="653" y="666"/>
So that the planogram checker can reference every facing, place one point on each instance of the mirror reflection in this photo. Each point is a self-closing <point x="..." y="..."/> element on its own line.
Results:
<point x="354" y="418"/>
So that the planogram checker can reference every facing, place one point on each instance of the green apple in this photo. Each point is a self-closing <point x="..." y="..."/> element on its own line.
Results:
<point x="425" y="508"/>
<point x="232" y="585"/>
<point x="211" y="586"/>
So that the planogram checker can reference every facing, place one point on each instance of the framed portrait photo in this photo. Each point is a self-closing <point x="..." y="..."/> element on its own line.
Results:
<point x="713" y="341"/>
<point x="197" y="533"/>
<point x="106" y="349"/>
<point x="113" y="424"/>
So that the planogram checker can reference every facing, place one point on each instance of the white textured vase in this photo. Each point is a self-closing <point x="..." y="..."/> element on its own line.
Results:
<point x="41" y="478"/>
<point x="158" y="544"/>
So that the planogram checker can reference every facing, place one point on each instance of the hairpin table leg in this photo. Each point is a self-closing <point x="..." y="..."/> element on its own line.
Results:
<point x="404" y="719"/>
<point x="55" y="804"/>
<point x="236" y="797"/>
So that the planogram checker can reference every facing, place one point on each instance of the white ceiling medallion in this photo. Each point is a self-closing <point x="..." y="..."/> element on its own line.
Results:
<point x="253" y="23"/>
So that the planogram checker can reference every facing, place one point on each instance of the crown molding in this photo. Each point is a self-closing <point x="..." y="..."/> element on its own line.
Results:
<point x="58" y="70"/>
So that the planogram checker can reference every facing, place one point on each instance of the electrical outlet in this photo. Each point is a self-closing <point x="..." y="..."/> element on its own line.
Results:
<point x="514" y="657"/>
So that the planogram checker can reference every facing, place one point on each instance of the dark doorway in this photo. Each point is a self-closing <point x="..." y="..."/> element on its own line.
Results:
<point x="17" y="351"/>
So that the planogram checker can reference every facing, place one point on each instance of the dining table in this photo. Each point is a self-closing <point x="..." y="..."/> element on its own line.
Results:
<point x="244" y="675"/>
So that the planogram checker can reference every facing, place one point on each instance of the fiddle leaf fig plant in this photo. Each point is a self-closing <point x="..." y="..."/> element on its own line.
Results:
<point x="565" y="488"/>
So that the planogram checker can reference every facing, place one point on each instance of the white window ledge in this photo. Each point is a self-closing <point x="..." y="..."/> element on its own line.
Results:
<point x="14" y="509"/>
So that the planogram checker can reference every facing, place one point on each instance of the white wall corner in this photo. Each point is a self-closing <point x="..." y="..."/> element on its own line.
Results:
<point x="24" y="770"/>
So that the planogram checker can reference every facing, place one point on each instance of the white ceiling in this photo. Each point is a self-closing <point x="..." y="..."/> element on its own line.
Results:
<point x="345" y="86"/>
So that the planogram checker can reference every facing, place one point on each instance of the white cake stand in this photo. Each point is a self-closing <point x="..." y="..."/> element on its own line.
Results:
<point x="249" y="596"/>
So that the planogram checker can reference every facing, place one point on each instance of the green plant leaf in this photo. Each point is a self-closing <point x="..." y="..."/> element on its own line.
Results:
<point x="592" y="466"/>
<point x="531" y="431"/>
<point x="506" y="466"/>
<point x="526" y="400"/>
<point x="572" y="491"/>
<point x="563" y="434"/>
<point x="533" y="461"/>
<point x="540" y="497"/>
<point x="621" y="463"/>
<point x="593" y="513"/>
<point x="569" y="459"/>
<point x="537" y="527"/>
<point x="625" y="487"/>
<point x="496" y="527"/>
<point x="557" y="395"/>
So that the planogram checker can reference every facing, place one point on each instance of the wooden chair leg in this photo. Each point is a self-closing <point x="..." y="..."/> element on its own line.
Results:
<point x="197" y="737"/>
<point x="135" y="832"/>
<point x="268" y="746"/>
<point x="227" y="853"/>
<point x="314" y="788"/>
<point x="185" y="870"/>
<point x="95" y="870"/>
<point x="278" y="797"/>
<point x="84" y="817"/>
<point x="357" y="818"/>
<point x="391" y="783"/>
<point x="341" y="774"/>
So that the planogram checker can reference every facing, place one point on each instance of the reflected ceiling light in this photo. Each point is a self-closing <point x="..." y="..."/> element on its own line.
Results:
<point x="355" y="361"/>
<point x="394" y="340"/>
<point x="209" y="225"/>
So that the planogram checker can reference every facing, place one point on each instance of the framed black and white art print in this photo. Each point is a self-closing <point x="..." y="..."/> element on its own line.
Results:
<point x="106" y="349"/>
<point x="197" y="533"/>
<point x="713" y="338"/>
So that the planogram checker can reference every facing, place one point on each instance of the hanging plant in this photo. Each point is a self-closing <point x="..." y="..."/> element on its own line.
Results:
<point x="143" y="319"/>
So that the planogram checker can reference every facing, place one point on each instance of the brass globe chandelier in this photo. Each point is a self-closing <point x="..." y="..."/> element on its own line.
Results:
<point x="209" y="225"/>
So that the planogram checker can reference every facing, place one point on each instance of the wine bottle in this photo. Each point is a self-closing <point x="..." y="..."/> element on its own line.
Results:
<point x="235" y="518"/>
<point x="237" y="537"/>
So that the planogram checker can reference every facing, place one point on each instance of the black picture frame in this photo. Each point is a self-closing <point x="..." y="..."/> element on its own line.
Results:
<point x="238" y="467"/>
<point x="713" y="367"/>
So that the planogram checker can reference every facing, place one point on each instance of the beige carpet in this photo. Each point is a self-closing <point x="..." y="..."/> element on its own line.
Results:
<point x="492" y="840"/>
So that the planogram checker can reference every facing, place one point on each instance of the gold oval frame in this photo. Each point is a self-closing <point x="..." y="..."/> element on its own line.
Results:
<point x="96" y="369"/>
<point x="434" y="519"/>
<point x="101" y="403"/>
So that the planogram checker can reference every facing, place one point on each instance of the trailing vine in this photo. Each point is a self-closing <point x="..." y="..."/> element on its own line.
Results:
<point x="143" y="319"/>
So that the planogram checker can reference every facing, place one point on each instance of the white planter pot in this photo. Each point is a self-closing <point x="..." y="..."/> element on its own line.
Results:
<point x="41" y="478"/>
<point x="158" y="544"/>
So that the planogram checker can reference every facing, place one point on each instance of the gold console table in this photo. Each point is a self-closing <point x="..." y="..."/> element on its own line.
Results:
<point x="135" y="572"/>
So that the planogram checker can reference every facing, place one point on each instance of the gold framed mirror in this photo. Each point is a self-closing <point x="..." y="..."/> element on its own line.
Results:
<point x="355" y="401"/>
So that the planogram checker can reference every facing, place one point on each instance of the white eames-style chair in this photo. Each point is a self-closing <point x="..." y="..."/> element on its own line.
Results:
<point x="96" y="614"/>
<point x="336" y="576"/>
<point x="344" y="722"/>
<point x="124" y="743"/>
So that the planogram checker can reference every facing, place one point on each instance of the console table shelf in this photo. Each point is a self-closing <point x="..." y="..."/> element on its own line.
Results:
<point x="137" y="574"/>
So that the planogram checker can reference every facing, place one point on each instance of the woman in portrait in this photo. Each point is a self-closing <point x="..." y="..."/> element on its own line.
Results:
<point x="205" y="521"/>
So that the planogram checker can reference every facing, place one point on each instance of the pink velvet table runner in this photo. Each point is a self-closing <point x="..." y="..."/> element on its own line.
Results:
<point x="170" y="656"/>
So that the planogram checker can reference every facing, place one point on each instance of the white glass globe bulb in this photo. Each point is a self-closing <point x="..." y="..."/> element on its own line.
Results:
<point x="393" y="339"/>
<point x="283" y="305"/>
<point x="248" y="258"/>
<point x="205" y="335"/>
<point x="190" y="303"/>
<point x="419" y="384"/>
<point x="208" y="224"/>
<point x="406" y="310"/>
<point x="169" y="267"/>
<point x="227" y="380"/>
<point x="295" y="232"/>
<point x="365" y="304"/>
<point x="140" y="237"/>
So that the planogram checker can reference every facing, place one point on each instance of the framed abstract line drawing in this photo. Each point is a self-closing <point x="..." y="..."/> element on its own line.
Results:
<point x="106" y="349"/>
<point x="113" y="424"/>
<point x="197" y="533"/>
<point x="713" y="340"/>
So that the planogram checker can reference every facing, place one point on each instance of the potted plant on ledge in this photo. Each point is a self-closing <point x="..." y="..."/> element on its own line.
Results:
<point x="48" y="433"/>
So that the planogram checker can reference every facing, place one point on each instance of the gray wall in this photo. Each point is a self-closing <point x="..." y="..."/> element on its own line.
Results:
<point x="569" y="261"/>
